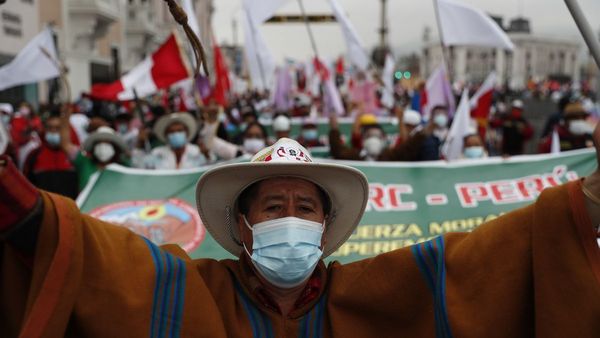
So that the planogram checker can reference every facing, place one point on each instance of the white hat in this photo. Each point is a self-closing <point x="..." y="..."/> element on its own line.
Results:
<point x="7" y="108"/>
<point x="281" y="123"/>
<point x="165" y="121"/>
<point x="218" y="190"/>
<point x="412" y="117"/>
<point x="103" y="134"/>
<point x="517" y="104"/>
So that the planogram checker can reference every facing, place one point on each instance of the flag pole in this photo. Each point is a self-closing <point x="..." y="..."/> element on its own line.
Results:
<point x="308" y="28"/>
<point x="445" y="58"/>
<point x="585" y="29"/>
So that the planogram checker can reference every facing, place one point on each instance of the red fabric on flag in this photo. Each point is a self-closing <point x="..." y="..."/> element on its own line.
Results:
<point x="321" y="69"/>
<point x="168" y="65"/>
<point x="106" y="91"/>
<point x="222" y="84"/>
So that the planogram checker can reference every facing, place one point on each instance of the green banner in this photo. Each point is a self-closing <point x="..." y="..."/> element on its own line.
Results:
<point x="408" y="203"/>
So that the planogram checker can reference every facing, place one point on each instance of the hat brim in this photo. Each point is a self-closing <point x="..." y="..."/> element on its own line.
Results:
<point x="94" y="138"/>
<point x="164" y="122"/>
<point x="218" y="190"/>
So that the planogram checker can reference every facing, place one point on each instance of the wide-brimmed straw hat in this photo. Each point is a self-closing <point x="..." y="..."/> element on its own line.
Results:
<point x="218" y="190"/>
<point x="104" y="134"/>
<point x="165" y="121"/>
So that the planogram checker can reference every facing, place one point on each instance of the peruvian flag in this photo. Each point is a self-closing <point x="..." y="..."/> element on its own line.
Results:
<point x="157" y="71"/>
<point x="481" y="102"/>
<point x="222" y="83"/>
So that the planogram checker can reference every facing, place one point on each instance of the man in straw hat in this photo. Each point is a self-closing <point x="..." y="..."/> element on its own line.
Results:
<point x="532" y="272"/>
<point x="176" y="131"/>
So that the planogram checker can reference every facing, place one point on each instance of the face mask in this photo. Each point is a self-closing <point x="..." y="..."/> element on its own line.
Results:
<point x="440" y="120"/>
<point x="104" y="152"/>
<point x="253" y="145"/>
<point x="310" y="134"/>
<point x="123" y="128"/>
<point x="474" y="152"/>
<point x="373" y="145"/>
<point x="243" y="126"/>
<point x="580" y="127"/>
<point x="177" y="140"/>
<point x="6" y="119"/>
<point x="286" y="251"/>
<point x="53" y="139"/>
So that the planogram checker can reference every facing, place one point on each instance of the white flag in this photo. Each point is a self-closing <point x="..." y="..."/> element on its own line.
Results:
<point x="31" y="64"/>
<point x="3" y="138"/>
<point x="453" y="147"/>
<point x="387" y="98"/>
<point x="555" y="146"/>
<point x="356" y="53"/>
<point x="438" y="92"/>
<point x="261" y="64"/>
<point x="188" y="7"/>
<point x="466" y="25"/>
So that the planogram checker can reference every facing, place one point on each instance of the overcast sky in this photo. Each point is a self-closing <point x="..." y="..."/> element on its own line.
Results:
<point x="407" y="20"/>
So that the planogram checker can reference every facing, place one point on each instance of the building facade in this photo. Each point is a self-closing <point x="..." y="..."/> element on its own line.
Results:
<point x="18" y="25"/>
<point x="534" y="57"/>
<point x="98" y="40"/>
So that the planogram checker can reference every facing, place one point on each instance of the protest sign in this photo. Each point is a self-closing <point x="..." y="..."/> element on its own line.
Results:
<point x="409" y="202"/>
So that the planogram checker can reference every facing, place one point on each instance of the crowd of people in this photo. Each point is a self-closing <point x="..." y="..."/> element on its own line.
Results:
<point x="60" y="147"/>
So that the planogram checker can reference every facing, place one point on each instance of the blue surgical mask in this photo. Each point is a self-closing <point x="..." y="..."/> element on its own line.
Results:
<point x="310" y="134"/>
<point x="6" y="120"/>
<point x="440" y="120"/>
<point x="474" y="152"/>
<point x="286" y="251"/>
<point x="53" y="139"/>
<point x="177" y="140"/>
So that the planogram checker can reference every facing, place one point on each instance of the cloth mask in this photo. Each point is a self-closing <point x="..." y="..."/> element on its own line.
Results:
<point x="177" y="140"/>
<point x="474" y="152"/>
<point x="253" y="145"/>
<point x="580" y="127"/>
<point x="286" y="251"/>
<point x="373" y="146"/>
<point x="440" y="120"/>
<point x="310" y="134"/>
<point x="104" y="152"/>
<point x="53" y="139"/>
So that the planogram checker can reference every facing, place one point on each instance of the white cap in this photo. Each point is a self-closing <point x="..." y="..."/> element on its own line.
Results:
<point x="517" y="104"/>
<point x="412" y="117"/>
<point x="281" y="123"/>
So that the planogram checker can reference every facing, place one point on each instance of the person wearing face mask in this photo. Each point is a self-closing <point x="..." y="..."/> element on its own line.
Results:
<point x="101" y="148"/>
<point x="175" y="131"/>
<point x="309" y="135"/>
<point x="254" y="138"/>
<point x="48" y="166"/>
<point x="473" y="147"/>
<point x="123" y="127"/>
<point x="374" y="140"/>
<point x="515" y="129"/>
<point x="280" y="216"/>
<point x="574" y="130"/>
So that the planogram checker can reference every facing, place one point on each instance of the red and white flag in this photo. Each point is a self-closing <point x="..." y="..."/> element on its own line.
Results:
<point x="222" y="83"/>
<point x="481" y="102"/>
<point x="163" y="68"/>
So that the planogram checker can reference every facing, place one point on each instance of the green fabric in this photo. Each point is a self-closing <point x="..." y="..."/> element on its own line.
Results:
<point x="85" y="169"/>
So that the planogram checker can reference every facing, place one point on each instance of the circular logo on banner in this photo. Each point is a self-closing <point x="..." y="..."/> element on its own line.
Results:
<point x="171" y="221"/>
